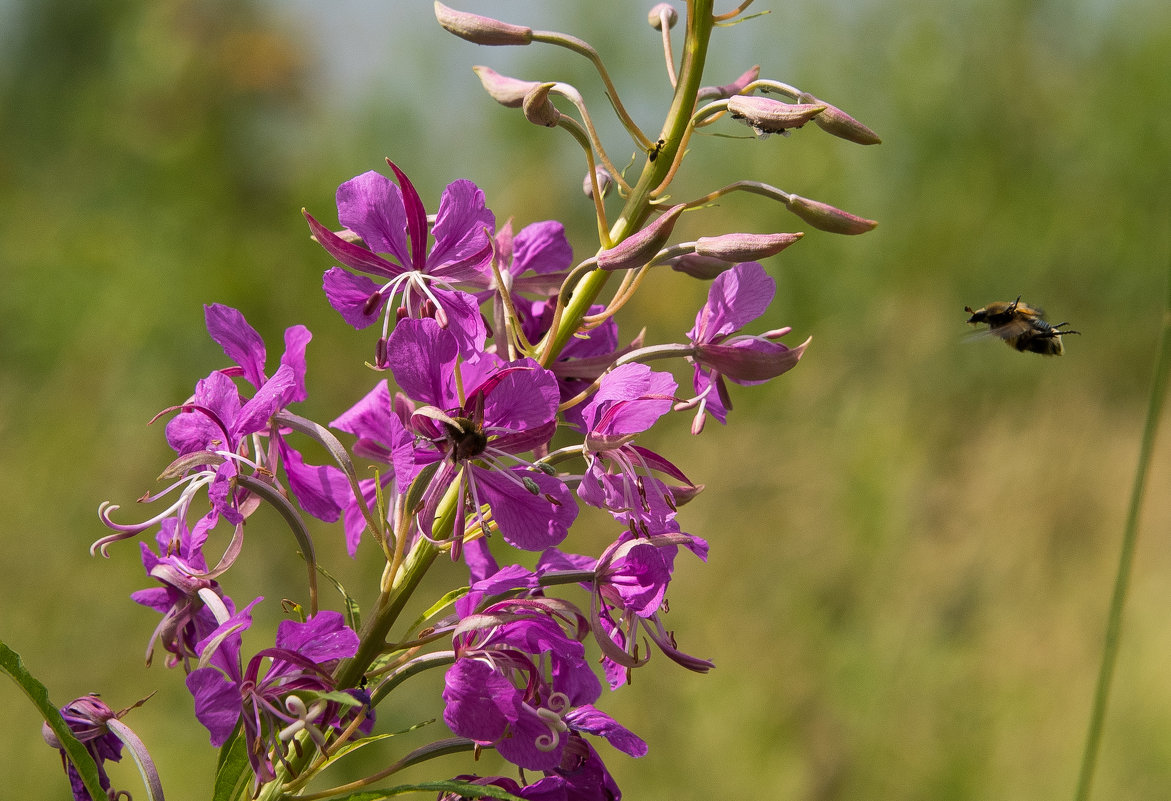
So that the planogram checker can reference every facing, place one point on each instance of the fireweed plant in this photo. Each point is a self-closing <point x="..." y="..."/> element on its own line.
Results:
<point x="489" y="340"/>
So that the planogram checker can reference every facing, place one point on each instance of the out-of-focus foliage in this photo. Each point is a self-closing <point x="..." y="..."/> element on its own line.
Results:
<point x="912" y="535"/>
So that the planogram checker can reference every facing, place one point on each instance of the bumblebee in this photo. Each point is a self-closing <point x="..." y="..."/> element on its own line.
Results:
<point x="1022" y="326"/>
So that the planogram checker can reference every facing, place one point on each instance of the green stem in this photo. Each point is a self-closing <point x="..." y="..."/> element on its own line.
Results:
<point x="638" y="204"/>
<point x="1126" y="557"/>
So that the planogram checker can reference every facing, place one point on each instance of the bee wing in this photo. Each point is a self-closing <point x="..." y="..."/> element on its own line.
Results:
<point x="1010" y="330"/>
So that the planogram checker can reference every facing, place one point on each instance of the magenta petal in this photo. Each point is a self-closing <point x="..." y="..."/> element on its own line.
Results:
<point x="593" y="721"/>
<point x="462" y="227"/>
<point x="239" y="340"/>
<point x="320" y="489"/>
<point x="272" y="396"/>
<point x="542" y="248"/>
<point x="422" y="357"/>
<point x="529" y="522"/>
<point x="520" y="745"/>
<point x="350" y="295"/>
<point x="464" y="320"/>
<point x="736" y="297"/>
<point x="478" y="701"/>
<point x="323" y="638"/>
<point x="297" y="337"/>
<point x="523" y="395"/>
<point x="217" y="702"/>
<point x="371" y="206"/>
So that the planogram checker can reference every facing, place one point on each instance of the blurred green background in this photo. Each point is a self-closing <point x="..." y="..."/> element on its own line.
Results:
<point x="913" y="537"/>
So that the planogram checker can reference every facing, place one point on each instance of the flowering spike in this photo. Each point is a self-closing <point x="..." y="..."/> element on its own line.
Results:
<point x="481" y="30"/>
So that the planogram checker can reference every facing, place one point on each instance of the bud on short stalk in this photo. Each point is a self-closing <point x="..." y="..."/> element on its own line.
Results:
<point x="640" y="248"/>
<point x="744" y="247"/>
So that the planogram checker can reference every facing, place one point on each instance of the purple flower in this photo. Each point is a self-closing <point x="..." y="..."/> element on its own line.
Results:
<point x="282" y="701"/>
<point x="218" y="431"/>
<point x="736" y="297"/>
<point x="87" y="717"/>
<point x="190" y="600"/>
<point x="521" y="685"/>
<point x="629" y="400"/>
<point x="630" y="581"/>
<point x="392" y="223"/>
<point x="508" y="409"/>
<point x="102" y="732"/>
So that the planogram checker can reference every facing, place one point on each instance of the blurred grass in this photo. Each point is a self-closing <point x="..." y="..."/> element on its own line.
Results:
<point x="912" y="537"/>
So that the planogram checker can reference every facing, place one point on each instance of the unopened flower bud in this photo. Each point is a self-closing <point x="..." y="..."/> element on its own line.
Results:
<point x="729" y="89"/>
<point x="744" y="247"/>
<point x="702" y="267"/>
<point x="827" y="218"/>
<point x="837" y="122"/>
<point x="655" y="17"/>
<point x="506" y="91"/>
<point x="639" y="249"/>
<point x="604" y="181"/>
<point x="766" y="115"/>
<point x="538" y="108"/>
<point x="481" y="30"/>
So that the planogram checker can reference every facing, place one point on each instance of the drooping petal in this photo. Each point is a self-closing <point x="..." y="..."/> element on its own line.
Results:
<point x="217" y="702"/>
<point x="321" y="490"/>
<point x="588" y="719"/>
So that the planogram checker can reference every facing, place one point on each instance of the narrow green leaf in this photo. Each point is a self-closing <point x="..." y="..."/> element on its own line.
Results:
<point x="232" y="774"/>
<point x="437" y="607"/>
<point x="13" y="665"/>
<point x="353" y="612"/>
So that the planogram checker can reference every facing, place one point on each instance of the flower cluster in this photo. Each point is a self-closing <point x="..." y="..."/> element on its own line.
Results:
<point x="503" y="398"/>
